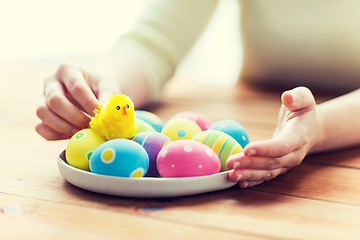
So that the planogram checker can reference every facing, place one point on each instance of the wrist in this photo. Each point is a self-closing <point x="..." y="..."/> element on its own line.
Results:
<point x="319" y="133"/>
<point x="125" y="74"/>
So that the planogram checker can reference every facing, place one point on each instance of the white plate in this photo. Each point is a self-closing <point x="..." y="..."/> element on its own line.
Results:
<point x="146" y="187"/>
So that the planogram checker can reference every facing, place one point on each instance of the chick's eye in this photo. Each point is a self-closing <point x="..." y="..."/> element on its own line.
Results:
<point x="117" y="107"/>
<point x="127" y="105"/>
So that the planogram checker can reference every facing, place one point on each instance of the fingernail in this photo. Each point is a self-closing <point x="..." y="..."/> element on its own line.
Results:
<point x="236" y="165"/>
<point x="239" y="177"/>
<point x="251" y="152"/>
<point x="244" y="184"/>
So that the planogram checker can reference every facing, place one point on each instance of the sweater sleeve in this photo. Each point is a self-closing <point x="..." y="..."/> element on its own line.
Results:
<point x="163" y="35"/>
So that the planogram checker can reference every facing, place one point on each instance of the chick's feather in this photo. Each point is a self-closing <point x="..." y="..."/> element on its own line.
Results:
<point x="115" y="119"/>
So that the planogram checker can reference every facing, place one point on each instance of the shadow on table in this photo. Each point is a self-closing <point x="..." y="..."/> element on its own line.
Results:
<point x="233" y="196"/>
<point x="305" y="179"/>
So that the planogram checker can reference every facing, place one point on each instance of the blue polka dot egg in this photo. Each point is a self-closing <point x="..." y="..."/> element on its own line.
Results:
<point x="120" y="158"/>
<point x="234" y="129"/>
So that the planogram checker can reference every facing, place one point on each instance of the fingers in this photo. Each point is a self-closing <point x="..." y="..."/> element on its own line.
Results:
<point x="49" y="133"/>
<point x="288" y="140"/>
<point x="247" y="184"/>
<point x="67" y="105"/>
<point x="239" y="161"/>
<point x="249" y="178"/>
<point x="58" y="123"/>
<point x="257" y="175"/>
<point x="55" y="102"/>
<point x="298" y="98"/>
<point x="75" y="83"/>
<point x="273" y="148"/>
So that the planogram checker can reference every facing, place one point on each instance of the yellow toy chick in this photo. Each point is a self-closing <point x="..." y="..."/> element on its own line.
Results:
<point x="116" y="119"/>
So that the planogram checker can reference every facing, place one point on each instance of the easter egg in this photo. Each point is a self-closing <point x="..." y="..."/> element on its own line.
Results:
<point x="150" y="118"/>
<point x="152" y="142"/>
<point x="180" y="129"/>
<point x="222" y="143"/>
<point x="120" y="157"/>
<point x="187" y="158"/>
<point x="201" y="120"/>
<point x="234" y="129"/>
<point x="80" y="148"/>
<point x="142" y="126"/>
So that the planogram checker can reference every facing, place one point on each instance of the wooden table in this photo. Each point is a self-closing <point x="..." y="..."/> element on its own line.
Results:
<point x="320" y="199"/>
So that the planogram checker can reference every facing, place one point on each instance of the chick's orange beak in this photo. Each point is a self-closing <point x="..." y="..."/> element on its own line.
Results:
<point x="124" y="110"/>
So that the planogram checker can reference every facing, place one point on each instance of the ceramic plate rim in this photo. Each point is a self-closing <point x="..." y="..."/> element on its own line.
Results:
<point x="146" y="187"/>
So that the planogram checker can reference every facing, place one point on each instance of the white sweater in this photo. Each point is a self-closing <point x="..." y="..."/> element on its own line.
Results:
<point x="315" y="43"/>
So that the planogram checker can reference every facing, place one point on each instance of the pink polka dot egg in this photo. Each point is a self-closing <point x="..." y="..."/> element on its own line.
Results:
<point x="187" y="158"/>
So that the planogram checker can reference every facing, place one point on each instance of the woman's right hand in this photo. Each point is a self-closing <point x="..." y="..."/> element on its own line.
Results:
<point x="70" y="97"/>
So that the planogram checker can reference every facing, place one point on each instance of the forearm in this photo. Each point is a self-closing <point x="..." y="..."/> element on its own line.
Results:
<point x="338" y="123"/>
<point x="148" y="54"/>
<point x="160" y="39"/>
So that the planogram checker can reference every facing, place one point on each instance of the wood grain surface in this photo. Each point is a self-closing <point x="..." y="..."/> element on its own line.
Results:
<point x="320" y="199"/>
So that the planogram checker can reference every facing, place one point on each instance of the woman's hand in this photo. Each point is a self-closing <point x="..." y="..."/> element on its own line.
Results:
<point x="70" y="97"/>
<point x="294" y="136"/>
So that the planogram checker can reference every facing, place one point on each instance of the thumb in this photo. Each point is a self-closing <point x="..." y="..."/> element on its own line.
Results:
<point x="106" y="89"/>
<point x="298" y="98"/>
<point x="105" y="94"/>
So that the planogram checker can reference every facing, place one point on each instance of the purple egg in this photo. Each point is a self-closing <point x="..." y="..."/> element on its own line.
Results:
<point x="152" y="142"/>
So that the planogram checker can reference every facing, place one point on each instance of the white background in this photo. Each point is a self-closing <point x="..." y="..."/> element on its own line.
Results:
<point x="75" y="29"/>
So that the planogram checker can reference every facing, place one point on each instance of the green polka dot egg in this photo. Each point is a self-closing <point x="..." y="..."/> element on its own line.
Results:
<point x="80" y="148"/>
<point x="150" y="118"/>
<point x="142" y="126"/>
